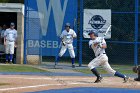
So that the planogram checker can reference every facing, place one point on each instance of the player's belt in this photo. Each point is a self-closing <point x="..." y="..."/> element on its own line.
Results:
<point x="10" y="40"/>
<point x="68" y="43"/>
<point x="101" y="54"/>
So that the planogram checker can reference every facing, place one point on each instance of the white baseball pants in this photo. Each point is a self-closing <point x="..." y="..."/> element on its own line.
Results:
<point x="70" y="48"/>
<point x="101" y="60"/>
<point x="9" y="49"/>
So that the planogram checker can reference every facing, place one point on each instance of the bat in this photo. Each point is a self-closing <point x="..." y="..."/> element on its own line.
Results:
<point x="107" y="30"/>
<point x="100" y="44"/>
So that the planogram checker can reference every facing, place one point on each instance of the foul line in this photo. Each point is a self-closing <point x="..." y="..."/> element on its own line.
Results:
<point x="47" y="78"/>
<point x="44" y="85"/>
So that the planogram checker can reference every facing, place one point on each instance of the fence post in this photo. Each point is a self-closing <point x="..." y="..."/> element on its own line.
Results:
<point x="136" y="32"/>
<point x="25" y="16"/>
<point x="81" y="32"/>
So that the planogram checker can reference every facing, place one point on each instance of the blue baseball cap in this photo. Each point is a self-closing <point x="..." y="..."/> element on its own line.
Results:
<point x="67" y="25"/>
<point x="12" y="24"/>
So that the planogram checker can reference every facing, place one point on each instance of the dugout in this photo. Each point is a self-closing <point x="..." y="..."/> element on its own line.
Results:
<point x="14" y="12"/>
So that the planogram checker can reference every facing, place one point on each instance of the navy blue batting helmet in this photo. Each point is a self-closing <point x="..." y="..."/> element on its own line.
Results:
<point x="95" y="33"/>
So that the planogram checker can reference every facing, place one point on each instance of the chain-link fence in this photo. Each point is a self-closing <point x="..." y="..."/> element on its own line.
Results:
<point x="44" y="22"/>
<point x="122" y="47"/>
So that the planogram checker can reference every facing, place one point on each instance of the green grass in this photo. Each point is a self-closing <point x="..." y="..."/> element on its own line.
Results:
<point x="19" y="68"/>
<point x="121" y="68"/>
<point x="3" y="84"/>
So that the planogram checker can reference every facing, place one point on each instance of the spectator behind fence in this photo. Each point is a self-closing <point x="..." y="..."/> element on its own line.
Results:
<point x="2" y="33"/>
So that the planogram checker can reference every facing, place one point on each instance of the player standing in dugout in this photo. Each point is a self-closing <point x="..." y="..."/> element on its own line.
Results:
<point x="98" y="44"/>
<point x="10" y="37"/>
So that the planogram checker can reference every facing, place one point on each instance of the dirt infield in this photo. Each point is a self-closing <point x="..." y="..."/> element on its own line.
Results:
<point x="23" y="83"/>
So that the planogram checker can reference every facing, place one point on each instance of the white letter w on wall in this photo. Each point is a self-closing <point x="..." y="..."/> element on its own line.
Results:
<point x="44" y="14"/>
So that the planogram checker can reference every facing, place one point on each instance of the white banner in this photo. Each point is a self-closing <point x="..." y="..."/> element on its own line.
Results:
<point x="97" y="20"/>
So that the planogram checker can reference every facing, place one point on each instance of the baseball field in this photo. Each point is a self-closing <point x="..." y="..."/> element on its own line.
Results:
<point x="46" y="79"/>
<point x="61" y="46"/>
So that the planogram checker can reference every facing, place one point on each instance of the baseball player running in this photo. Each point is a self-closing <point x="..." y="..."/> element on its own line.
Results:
<point x="67" y="37"/>
<point x="98" y="45"/>
<point x="10" y="36"/>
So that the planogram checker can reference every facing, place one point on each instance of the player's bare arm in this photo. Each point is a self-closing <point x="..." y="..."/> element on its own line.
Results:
<point x="95" y="45"/>
<point x="74" y="36"/>
<point x="16" y="44"/>
<point x="4" y="41"/>
<point x="104" y="46"/>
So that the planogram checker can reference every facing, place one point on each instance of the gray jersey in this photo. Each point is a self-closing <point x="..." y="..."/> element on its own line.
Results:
<point x="10" y="35"/>
<point x="67" y="37"/>
<point x="2" y="33"/>
<point x="97" y="50"/>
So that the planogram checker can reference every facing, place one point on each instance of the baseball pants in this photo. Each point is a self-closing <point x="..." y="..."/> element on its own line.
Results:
<point x="70" y="48"/>
<point x="101" y="60"/>
<point x="9" y="49"/>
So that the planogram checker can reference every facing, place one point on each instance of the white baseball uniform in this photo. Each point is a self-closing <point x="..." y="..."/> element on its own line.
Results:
<point x="67" y="38"/>
<point x="101" y="57"/>
<point x="11" y="36"/>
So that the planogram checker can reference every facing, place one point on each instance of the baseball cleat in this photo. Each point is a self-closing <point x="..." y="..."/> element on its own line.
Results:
<point x="126" y="79"/>
<point x="55" y="66"/>
<point x="73" y="66"/>
<point x="11" y="62"/>
<point x="137" y="79"/>
<point x="98" y="80"/>
<point x="6" y="62"/>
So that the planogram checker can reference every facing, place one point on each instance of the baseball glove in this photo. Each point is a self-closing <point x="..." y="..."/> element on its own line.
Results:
<point x="135" y="69"/>
<point x="63" y="43"/>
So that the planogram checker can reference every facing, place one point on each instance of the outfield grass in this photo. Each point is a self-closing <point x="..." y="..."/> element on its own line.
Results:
<point x="19" y="68"/>
<point x="3" y="84"/>
<point x="125" y="69"/>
